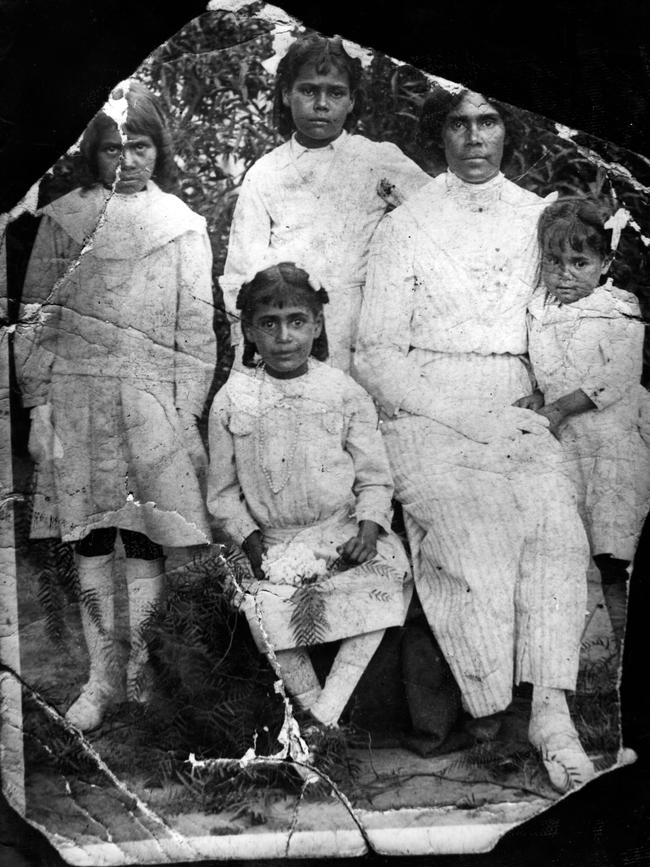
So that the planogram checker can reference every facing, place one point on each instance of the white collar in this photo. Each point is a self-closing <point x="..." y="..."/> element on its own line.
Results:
<point x="299" y="150"/>
<point x="454" y="182"/>
<point x="475" y="197"/>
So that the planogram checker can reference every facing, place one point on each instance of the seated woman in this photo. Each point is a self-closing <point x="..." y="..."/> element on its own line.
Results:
<point x="116" y="364"/>
<point x="500" y="551"/>
<point x="296" y="456"/>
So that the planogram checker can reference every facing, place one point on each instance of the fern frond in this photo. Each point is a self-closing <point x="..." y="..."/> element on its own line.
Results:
<point x="89" y="599"/>
<point x="308" y="622"/>
<point x="51" y="601"/>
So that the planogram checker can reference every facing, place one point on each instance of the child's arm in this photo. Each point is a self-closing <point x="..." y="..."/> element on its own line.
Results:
<point x="612" y="360"/>
<point x="195" y="355"/>
<point x="225" y="501"/>
<point x="250" y="236"/>
<point x="373" y="484"/>
<point x="574" y="403"/>
<point x="253" y="547"/>
<point x="53" y="252"/>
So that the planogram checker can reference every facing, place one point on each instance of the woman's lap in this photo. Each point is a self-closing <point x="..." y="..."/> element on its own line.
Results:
<point x="502" y="552"/>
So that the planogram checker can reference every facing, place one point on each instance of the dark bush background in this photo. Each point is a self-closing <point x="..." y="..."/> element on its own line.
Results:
<point x="219" y="97"/>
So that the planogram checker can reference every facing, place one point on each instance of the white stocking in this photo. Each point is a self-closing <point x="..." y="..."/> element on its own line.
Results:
<point x="144" y="585"/>
<point x="298" y="676"/>
<point x="348" y="666"/>
<point x="105" y="685"/>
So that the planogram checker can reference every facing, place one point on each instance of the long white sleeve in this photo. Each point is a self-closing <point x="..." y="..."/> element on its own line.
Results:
<point x="225" y="499"/>
<point x="250" y="237"/>
<point x="195" y="356"/>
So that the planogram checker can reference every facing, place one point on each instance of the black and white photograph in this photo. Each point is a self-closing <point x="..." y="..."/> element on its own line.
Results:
<point x="326" y="451"/>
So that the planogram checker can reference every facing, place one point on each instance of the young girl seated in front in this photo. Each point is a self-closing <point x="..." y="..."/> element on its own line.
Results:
<point x="297" y="456"/>
<point x="585" y="345"/>
<point x="315" y="198"/>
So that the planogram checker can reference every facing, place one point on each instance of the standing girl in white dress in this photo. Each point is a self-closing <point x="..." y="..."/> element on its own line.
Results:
<point x="116" y="362"/>
<point x="586" y="348"/>
<point x="314" y="199"/>
<point x="297" y="456"/>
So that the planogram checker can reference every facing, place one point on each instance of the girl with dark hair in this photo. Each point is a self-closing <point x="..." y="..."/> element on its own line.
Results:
<point x="116" y="363"/>
<point x="144" y="117"/>
<point x="315" y="198"/>
<point x="586" y="348"/>
<point x="296" y="456"/>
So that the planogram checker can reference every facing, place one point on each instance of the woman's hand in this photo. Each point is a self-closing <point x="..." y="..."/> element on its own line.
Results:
<point x="534" y="401"/>
<point x="44" y="445"/>
<point x="193" y="441"/>
<point x="363" y="546"/>
<point x="254" y="550"/>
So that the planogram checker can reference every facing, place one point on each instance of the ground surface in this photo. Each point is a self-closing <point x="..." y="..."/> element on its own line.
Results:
<point x="78" y="800"/>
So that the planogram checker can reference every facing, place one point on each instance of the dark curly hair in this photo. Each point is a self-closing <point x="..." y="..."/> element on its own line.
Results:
<point x="436" y="108"/>
<point x="284" y="284"/>
<point x="144" y="117"/>
<point x="576" y="222"/>
<point x="324" y="54"/>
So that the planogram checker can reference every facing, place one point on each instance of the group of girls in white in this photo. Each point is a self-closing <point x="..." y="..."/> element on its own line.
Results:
<point x="118" y="356"/>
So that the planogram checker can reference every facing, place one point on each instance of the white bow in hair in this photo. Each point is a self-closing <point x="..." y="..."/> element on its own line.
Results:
<point x="617" y="222"/>
<point x="284" y="36"/>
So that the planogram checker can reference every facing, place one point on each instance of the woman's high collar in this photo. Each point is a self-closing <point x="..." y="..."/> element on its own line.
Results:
<point x="475" y="195"/>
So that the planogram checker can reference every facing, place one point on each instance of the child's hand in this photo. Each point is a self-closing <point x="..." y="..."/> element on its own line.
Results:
<point x="574" y="403"/>
<point x="254" y="549"/>
<point x="534" y="401"/>
<point x="363" y="546"/>
<point x="555" y="417"/>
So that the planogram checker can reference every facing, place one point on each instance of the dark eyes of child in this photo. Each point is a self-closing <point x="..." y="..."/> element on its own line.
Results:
<point x="307" y="90"/>
<point x="114" y="150"/>
<point x="270" y="324"/>
<point x="554" y="262"/>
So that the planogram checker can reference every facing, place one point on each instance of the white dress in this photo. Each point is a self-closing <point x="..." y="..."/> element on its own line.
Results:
<point x="318" y="207"/>
<point x="303" y="460"/>
<point x="124" y="340"/>
<point x="500" y="551"/>
<point x="596" y="345"/>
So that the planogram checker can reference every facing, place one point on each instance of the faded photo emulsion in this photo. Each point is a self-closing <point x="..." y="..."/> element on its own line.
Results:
<point x="330" y="458"/>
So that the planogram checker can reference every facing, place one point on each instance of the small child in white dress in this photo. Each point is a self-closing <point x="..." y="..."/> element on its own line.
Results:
<point x="315" y="198"/>
<point x="297" y="456"/>
<point x="585" y="345"/>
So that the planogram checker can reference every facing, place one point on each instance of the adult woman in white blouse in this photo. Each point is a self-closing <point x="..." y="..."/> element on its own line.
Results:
<point x="500" y="552"/>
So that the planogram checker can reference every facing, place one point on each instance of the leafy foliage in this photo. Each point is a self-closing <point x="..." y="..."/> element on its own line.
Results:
<point x="58" y="584"/>
<point x="214" y="690"/>
<point x="49" y="743"/>
<point x="218" y="97"/>
<point x="595" y="705"/>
